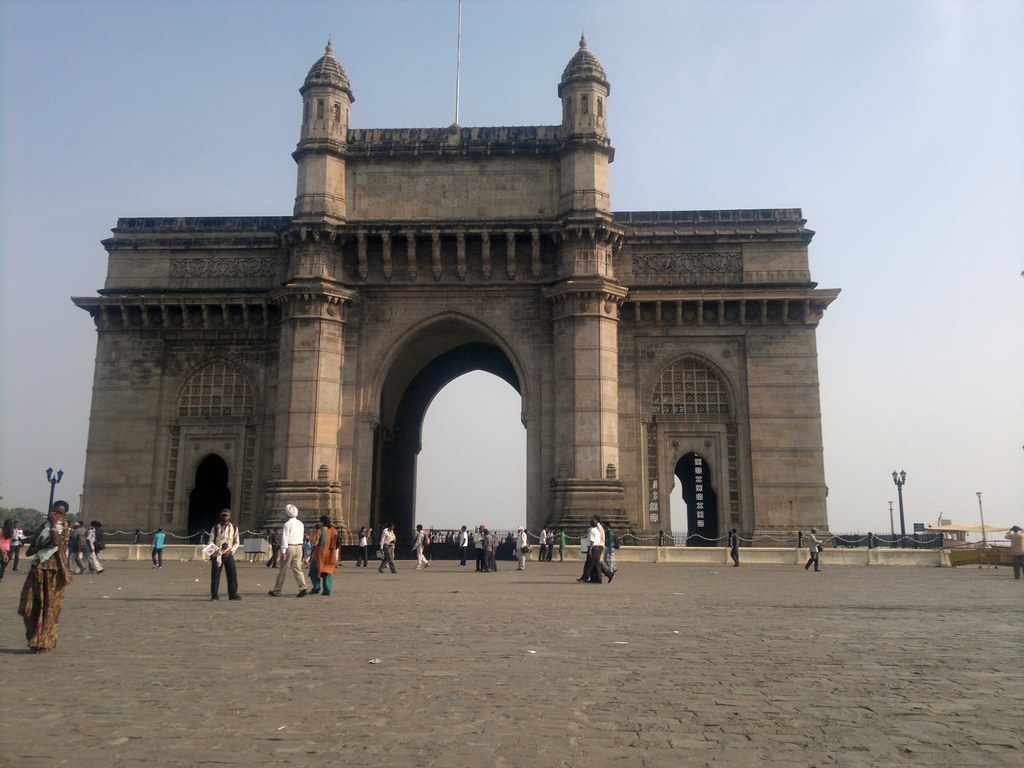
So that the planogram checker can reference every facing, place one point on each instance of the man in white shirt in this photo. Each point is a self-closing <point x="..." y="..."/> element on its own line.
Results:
<point x="814" y="548"/>
<point x="595" y="554"/>
<point x="418" y="545"/>
<point x="387" y="549"/>
<point x="291" y="552"/>
<point x="463" y="539"/>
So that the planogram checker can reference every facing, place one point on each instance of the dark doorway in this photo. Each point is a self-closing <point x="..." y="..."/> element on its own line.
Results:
<point x="209" y="495"/>
<point x="694" y="474"/>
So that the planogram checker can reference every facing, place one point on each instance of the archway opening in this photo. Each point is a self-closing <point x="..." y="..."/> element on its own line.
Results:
<point x="444" y="354"/>
<point x="694" y="473"/>
<point x="472" y="466"/>
<point x="210" y="494"/>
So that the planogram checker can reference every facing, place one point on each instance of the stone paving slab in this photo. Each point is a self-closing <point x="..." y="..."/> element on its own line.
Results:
<point x="762" y="665"/>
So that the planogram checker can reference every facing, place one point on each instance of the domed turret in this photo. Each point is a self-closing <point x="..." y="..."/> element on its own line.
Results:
<point x="584" y="91"/>
<point x="328" y="71"/>
<point x="583" y="66"/>
<point x="320" y="154"/>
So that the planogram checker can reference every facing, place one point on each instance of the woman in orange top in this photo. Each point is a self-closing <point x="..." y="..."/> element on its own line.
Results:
<point x="325" y="556"/>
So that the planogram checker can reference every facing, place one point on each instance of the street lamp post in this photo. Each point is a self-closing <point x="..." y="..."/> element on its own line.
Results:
<point x="984" y="539"/>
<point x="53" y="480"/>
<point x="892" y="528"/>
<point x="899" y="478"/>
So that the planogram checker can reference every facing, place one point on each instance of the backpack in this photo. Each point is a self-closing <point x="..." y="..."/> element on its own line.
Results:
<point x="98" y="544"/>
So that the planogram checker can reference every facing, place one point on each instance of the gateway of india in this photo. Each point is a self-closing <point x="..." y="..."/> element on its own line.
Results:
<point x="257" y="361"/>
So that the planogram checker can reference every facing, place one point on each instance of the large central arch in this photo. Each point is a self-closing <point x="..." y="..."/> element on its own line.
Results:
<point x="423" y="365"/>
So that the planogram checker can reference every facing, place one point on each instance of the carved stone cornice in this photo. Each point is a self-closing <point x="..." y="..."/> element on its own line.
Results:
<point x="587" y="296"/>
<point x="312" y="299"/>
<point x="731" y="307"/>
<point x="314" y="232"/>
<point x="168" y="313"/>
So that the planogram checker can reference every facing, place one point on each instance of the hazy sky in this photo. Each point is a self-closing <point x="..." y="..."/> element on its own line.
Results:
<point x="896" y="126"/>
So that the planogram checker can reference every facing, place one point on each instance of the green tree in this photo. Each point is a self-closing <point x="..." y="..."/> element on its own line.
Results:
<point x="28" y="519"/>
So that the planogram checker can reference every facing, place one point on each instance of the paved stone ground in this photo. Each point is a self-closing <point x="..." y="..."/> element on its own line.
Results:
<point x="669" y="665"/>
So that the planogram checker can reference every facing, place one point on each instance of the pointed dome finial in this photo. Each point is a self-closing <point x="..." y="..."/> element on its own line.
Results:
<point x="329" y="50"/>
<point x="583" y="40"/>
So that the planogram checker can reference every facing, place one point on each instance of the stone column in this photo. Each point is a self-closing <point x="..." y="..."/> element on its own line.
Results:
<point x="309" y="408"/>
<point x="585" y="314"/>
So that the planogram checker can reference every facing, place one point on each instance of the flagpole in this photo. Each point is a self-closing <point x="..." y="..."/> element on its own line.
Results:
<point x="458" y="65"/>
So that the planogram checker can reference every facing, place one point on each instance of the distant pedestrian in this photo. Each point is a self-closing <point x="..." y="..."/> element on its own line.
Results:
<point x="42" y="596"/>
<point x="17" y="539"/>
<point x="275" y="548"/>
<point x="292" y="536"/>
<point x="522" y="549"/>
<point x="158" y="548"/>
<point x="463" y="539"/>
<point x="1016" y="537"/>
<point x="814" y="548"/>
<point x="561" y="545"/>
<point x="734" y="547"/>
<point x="363" y="556"/>
<point x="480" y="543"/>
<point x="307" y="546"/>
<point x="542" y="544"/>
<point x="611" y="543"/>
<point x="75" y="546"/>
<point x="595" y="554"/>
<point x="224" y="536"/>
<point x="387" y="549"/>
<point x="492" y="551"/>
<point x="324" y="557"/>
<point x="418" y="545"/>
<point x="93" y="546"/>
<point x="5" y="546"/>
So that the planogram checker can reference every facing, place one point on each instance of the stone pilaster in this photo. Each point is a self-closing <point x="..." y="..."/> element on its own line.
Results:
<point x="309" y="408"/>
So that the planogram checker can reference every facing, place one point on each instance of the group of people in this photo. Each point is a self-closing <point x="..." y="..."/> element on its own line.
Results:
<point x="322" y="561"/>
<point x="599" y="546"/>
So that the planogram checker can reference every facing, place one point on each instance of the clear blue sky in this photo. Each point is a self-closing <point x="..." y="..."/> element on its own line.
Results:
<point x="896" y="127"/>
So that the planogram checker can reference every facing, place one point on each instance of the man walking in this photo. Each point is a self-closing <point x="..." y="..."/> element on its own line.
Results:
<point x="734" y="547"/>
<point x="417" y="546"/>
<point x="75" y="562"/>
<point x="814" y="548"/>
<point x="158" y="548"/>
<point x="93" y="546"/>
<point x="387" y="549"/>
<point x="292" y="533"/>
<point x="595" y="554"/>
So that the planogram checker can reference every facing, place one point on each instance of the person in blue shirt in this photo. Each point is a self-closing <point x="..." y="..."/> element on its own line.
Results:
<point x="158" y="548"/>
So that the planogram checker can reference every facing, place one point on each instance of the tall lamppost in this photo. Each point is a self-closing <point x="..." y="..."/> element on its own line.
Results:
<point x="899" y="478"/>
<point x="53" y="480"/>
<point x="892" y="528"/>
<point x="984" y="539"/>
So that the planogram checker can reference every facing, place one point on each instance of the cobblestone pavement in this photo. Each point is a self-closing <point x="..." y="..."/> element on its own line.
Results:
<point x="669" y="665"/>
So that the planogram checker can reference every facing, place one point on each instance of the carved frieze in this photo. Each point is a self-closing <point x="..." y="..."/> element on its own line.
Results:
<point x="221" y="267"/>
<point x="691" y="267"/>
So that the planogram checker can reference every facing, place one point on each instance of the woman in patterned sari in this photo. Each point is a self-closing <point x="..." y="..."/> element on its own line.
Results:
<point x="42" y="597"/>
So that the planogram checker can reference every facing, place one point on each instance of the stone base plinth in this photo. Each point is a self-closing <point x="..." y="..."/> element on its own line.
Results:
<point x="575" y="501"/>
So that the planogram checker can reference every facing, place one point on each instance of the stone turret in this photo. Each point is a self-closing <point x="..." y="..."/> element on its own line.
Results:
<point x="320" y="154"/>
<point x="586" y="150"/>
<point x="584" y="93"/>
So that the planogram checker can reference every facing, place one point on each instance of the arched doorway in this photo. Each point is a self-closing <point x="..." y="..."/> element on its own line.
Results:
<point x="442" y="353"/>
<point x="694" y="475"/>
<point x="210" y="494"/>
